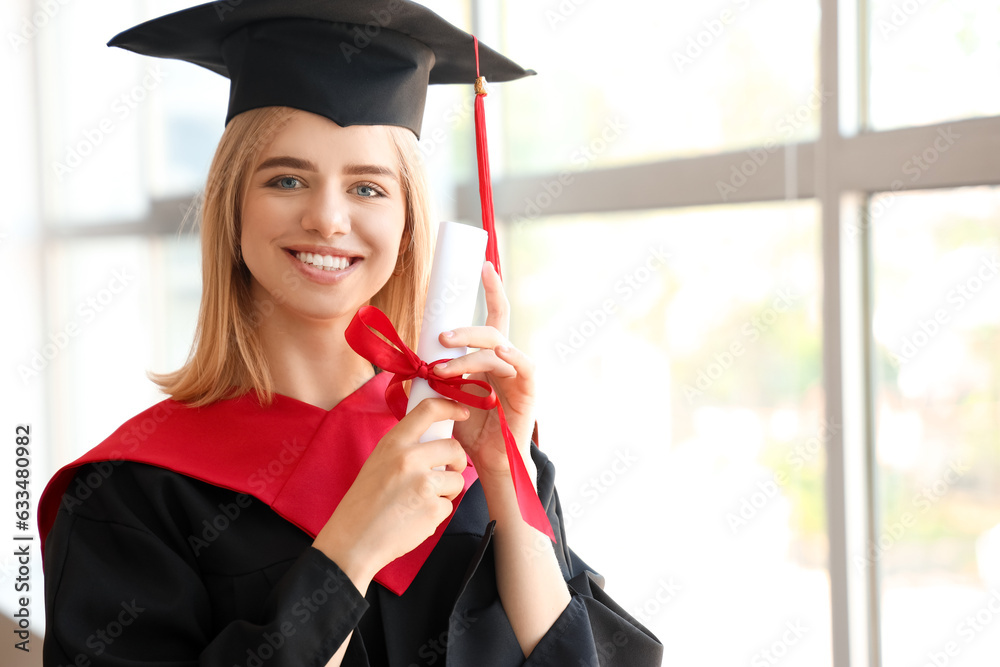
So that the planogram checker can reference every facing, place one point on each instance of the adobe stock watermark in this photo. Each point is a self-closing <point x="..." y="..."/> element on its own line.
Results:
<point x="212" y="529"/>
<point x="752" y="504"/>
<point x="454" y="289"/>
<point x="606" y="650"/>
<point x="915" y="167"/>
<point x="29" y="26"/>
<point x="434" y="137"/>
<point x="291" y="280"/>
<point x="740" y="174"/>
<point x="624" y="288"/>
<point x="667" y="590"/>
<point x="101" y="639"/>
<point x="436" y="648"/>
<point x="711" y="30"/>
<point x="920" y="163"/>
<point x="121" y="108"/>
<point x="138" y="431"/>
<point x="967" y="629"/>
<point x="598" y="485"/>
<point x="750" y="332"/>
<point x="224" y="7"/>
<point x="921" y="503"/>
<point x="87" y="311"/>
<point x="780" y="648"/>
<point x="363" y="35"/>
<point x="302" y="611"/>
<point x="561" y="12"/>
<point x="288" y="456"/>
<point x="898" y="16"/>
<point x="581" y="158"/>
<point x="957" y="298"/>
<point x="8" y="568"/>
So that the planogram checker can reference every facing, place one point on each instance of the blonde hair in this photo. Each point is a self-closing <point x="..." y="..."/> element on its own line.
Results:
<point x="226" y="358"/>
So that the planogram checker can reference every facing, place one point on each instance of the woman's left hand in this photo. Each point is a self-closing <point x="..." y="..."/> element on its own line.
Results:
<point x="508" y="370"/>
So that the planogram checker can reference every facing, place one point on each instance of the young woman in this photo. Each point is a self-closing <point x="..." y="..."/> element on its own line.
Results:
<point x="274" y="511"/>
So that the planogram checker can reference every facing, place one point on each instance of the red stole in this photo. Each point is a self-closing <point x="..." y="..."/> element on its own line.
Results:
<point x="296" y="457"/>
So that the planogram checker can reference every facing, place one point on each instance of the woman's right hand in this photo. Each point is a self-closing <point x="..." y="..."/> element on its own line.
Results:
<point x="397" y="500"/>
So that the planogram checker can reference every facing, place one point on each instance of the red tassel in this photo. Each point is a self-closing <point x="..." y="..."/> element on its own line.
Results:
<point x="527" y="499"/>
<point x="483" y="159"/>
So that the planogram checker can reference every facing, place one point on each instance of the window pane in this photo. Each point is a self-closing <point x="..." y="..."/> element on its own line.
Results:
<point x="937" y="330"/>
<point x="671" y="79"/>
<point x="678" y="358"/>
<point x="931" y="61"/>
<point x="119" y="129"/>
<point x="91" y="98"/>
<point x="119" y="307"/>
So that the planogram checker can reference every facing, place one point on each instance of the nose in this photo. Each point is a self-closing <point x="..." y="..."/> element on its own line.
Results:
<point x="326" y="213"/>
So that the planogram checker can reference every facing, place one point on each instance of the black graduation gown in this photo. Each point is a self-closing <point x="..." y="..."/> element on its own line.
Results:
<point x="157" y="568"/>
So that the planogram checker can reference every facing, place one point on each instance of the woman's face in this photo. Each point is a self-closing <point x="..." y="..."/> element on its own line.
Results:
<point x="323" y="217"/>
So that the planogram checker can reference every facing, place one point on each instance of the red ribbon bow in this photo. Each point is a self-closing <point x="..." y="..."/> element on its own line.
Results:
<point x="390" y="353"/>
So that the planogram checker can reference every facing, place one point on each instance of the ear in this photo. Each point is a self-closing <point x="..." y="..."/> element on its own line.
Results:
<point x="405" y="241"/>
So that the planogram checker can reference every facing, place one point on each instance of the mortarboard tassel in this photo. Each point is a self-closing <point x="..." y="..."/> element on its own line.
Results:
<point x="483" y="159"/>
<point x="527" y="499"/>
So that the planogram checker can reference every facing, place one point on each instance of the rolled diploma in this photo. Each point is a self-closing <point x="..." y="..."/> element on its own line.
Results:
<point x="451" y="303"/>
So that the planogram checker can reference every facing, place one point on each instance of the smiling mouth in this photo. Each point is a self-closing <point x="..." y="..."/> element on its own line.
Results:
<point x="325" y="262"/>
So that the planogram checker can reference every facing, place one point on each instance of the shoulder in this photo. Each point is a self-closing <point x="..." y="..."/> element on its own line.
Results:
<point x="159" y="511"/>
<point x="137" y="494"/>
<point x="200" y="442"/>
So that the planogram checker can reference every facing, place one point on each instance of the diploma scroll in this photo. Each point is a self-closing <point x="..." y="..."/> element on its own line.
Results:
<point x="451" y="303"/>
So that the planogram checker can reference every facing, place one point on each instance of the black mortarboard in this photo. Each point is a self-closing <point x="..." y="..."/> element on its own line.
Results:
<point x="354" y="62"/>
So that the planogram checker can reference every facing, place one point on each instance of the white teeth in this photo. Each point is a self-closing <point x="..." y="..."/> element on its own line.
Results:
<point x="325" y="262"/>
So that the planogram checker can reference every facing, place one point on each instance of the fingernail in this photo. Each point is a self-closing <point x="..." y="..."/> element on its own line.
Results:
<point x="448" y="334"/>
<point x="441" y="367"/>
<point x="503" y="348"/>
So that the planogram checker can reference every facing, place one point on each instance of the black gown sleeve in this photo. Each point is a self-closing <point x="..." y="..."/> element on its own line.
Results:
<point x="593" y="630"/>
<point x="125" y="586"/>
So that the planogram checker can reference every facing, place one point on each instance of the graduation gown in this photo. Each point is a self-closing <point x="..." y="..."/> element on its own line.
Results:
<point x="147" y="564"/>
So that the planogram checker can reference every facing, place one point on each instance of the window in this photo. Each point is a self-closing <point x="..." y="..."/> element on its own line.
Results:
<point x="928" y="59"/>
<point x="679" y="371"/>
<point x="661" y="79"/>
<point x="936" y="329"/>
<point x="884" y="252"/>
<point x="750" y="244"/>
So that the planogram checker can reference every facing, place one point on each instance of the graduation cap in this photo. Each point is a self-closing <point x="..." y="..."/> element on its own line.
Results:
<point x="356" y="63"/>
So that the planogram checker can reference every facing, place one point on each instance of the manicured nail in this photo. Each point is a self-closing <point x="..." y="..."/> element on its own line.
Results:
<point x="441" y="367"/>
<point x="448" y="334"/>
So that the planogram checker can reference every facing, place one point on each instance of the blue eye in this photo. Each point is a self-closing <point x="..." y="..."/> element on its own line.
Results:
<point x="367" y="191"/>
<point x="287" y="182"/>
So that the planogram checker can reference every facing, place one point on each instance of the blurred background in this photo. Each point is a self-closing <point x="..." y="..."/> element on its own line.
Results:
<point x="752" y="245"/>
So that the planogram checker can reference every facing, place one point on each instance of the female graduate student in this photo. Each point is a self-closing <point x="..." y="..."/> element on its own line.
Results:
<point x="275" y="511"/>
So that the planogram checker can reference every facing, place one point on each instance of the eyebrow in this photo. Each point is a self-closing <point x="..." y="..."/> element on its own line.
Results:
<point x="307" y="165"/>
<point x="370" y="170"/>
<point x="287" y="161"/>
